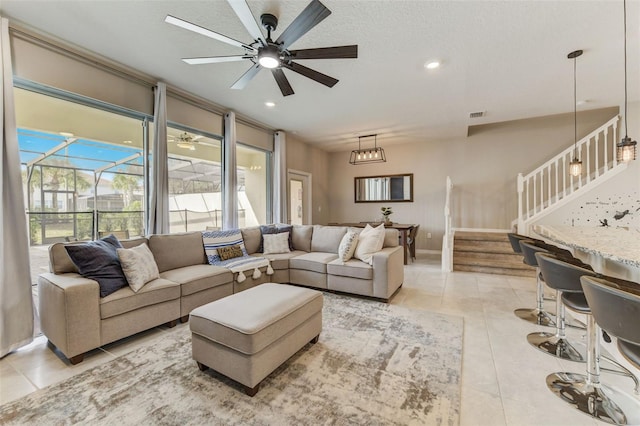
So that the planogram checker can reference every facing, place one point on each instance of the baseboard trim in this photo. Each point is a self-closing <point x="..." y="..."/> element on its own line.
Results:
<point x="482" y="230"/>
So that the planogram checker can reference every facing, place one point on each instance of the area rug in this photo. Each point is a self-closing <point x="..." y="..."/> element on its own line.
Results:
<point x="374" y="364"/>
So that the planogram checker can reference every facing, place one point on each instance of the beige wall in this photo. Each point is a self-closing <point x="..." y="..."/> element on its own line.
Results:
<point x="303" y="157"/>
<point x="483" y="168"/>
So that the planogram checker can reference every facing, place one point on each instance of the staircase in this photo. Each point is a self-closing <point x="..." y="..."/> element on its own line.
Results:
<point x="550" y="186"/>
<point x="489" y="253"/>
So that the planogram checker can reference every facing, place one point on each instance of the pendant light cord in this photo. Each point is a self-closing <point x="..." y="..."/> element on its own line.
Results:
<point x="624" y="8"/>
<point x="575" y="111"/>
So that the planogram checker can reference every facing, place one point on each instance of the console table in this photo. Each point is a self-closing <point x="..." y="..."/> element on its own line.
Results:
<point x="403" y="229"/>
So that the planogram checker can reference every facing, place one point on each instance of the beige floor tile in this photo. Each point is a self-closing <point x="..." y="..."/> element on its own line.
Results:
<point x="13" y="385"/>
<point x="481" y="408"/>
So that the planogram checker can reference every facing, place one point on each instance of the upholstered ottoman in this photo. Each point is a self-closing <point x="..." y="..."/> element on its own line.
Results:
<point x="249" y="334"/>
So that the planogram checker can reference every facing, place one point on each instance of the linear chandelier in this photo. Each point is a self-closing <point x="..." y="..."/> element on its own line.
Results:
<point x="368" y="155"/>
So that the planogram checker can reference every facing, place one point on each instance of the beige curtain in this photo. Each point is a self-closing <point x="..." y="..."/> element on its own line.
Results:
<point x="280" y="213"/>
<point x="230" y="177"/>
<point x="16" y="302"/>
<point x="158" y="218"/>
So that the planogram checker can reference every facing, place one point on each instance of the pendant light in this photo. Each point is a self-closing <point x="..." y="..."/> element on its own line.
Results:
<point x="575" y="166"/>
<point x="626" y="147"/>
<point x="368" y="155"/>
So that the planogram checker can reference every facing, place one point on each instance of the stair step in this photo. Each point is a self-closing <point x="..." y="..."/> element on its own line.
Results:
<point x="497" y="263"/>
<point x="489" y="253"/>
<point x="483" y="246"/>
<point x="494" y="270"/>
<point x="482" y="256"/>
<point x="482" y="236"/>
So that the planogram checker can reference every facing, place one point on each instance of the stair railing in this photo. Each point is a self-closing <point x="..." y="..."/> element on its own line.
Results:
<point x="551" y="183"/>
<point x="447" y="239"/>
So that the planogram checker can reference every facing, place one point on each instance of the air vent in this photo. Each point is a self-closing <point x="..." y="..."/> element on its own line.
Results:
<point x="477" y="114"/>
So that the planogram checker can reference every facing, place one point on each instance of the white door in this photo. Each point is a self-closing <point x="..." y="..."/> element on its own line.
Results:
<point x="299" y="186"/>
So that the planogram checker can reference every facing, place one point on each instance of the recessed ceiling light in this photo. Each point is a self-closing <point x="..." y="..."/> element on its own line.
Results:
<point x="270" y="104"/>
<point x="432" y="65"/>
<point x="582" y="102"/>
<point x="66" y="134"/>
<point x="127" y="142"/>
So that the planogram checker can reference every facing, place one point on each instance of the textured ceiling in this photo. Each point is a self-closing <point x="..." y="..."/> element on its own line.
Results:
<point x="507" y="58"/>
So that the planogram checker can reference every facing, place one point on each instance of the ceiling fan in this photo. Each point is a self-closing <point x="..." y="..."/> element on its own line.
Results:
<point x="266" y="53"/>
<point x="185" y="140"/>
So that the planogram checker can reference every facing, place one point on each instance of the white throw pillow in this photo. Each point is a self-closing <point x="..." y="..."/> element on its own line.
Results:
<point x="370" y="241"/>
<point x="276" y="243"/>
<point x="138" y="265"/>
<point x="347" y="246"/>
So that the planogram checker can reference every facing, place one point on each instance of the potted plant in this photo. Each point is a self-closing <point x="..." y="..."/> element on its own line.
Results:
<point x="386" y="212"/>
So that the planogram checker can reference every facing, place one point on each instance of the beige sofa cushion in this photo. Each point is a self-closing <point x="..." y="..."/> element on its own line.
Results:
<point x="353" y="268"/>
<point x="196" y="278"/>
<point x="314" y="261"/>
<point x="280" y="260"/>
<point x="327" y="238"/>
<point x="251" y="237"/>
<point x="173" y="251"/>
<point x="301" y="237"/>
<point x="125" y="300"/>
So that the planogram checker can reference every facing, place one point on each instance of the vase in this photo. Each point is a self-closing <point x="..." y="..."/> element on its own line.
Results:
<point x="387" y="221"/>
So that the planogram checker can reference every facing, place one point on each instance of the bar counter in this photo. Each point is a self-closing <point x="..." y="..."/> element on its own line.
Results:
<point x="612" y="251"/>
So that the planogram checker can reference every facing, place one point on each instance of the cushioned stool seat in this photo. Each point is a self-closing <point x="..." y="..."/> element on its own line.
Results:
<point x="247" y="335"/>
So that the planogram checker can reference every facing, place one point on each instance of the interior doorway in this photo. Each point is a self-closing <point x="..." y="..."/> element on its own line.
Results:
<point x="299" y="201"/>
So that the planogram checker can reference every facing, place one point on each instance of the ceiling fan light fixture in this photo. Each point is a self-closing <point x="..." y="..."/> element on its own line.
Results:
<point x="368" y="155"/>
<point x="269" y="57"/>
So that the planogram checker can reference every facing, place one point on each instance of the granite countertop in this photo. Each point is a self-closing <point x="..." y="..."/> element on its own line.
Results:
<point x="617" y="244"/>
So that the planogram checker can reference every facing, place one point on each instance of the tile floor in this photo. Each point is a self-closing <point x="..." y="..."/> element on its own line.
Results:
<point x="503" y="377"/>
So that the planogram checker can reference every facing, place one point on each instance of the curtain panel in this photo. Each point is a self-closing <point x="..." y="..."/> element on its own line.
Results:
<point x="16" y="301"/>
<point x="230" y="175"/>
<point x="158" y="218"/>
<point x="280" y="213"/>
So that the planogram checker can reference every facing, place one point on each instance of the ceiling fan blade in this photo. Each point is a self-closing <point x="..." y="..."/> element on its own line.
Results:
<point x="246" y="77"/>
<point x="312" y="74"/>
<point x="215" y="59"/>
<point x="205" y="32"/>
<point x="282" y="81"/>
<point x="311" y="16"/>
<point x="241" y="8"/>
<point x="337" y="52"/>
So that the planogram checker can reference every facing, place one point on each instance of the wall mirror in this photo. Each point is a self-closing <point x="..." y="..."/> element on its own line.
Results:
<point x="388" y="188"/>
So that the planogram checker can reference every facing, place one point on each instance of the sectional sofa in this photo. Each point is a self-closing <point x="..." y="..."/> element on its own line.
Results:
<point x="75" y="319"/>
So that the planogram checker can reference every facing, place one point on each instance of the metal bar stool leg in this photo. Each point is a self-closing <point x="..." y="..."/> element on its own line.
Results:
<point x="557" y="344"/>
<point x="537" y="315"/>
<point x="586" y="393"/>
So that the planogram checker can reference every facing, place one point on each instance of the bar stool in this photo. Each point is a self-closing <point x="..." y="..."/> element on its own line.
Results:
<point x="586" y="392"/>
<point x="515" y="239"/>
<point x="563" y="275"/>
<point x="535" y="315"/>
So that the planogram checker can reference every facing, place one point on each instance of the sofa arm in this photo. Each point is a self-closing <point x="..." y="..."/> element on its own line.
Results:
<point x="388" y="271"/>
<point x="70" y="312"/>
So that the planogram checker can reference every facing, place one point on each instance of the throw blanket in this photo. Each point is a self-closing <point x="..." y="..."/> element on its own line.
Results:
<point x="213" y="240"/>
<point x="245" y="263"/>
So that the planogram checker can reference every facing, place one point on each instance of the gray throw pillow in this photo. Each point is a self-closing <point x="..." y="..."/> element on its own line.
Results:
<point x="98" y="260"/>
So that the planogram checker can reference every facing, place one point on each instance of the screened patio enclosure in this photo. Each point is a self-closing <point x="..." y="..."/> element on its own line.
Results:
<point x="80" y="189"/>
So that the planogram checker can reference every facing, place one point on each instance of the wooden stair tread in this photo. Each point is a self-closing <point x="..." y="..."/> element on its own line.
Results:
<point x="487" y="252"/>
<point x="495" y="271"/>
<point x="483" y="236"/>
